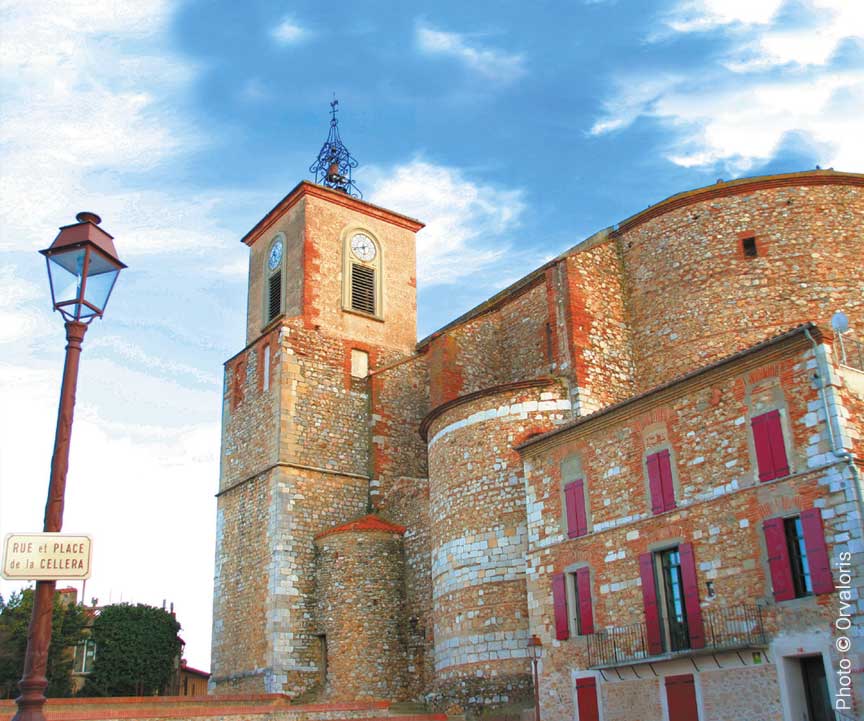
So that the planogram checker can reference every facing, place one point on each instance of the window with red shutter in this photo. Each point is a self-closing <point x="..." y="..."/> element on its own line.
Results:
<point x="649" y="598"/>
<point x="559" y="605"/>
<point x="817" y="552"/>
<point x="681" y="698"/>
<point x="778" y="559"/>
<point x="695" y="626"/>
<point x="582" y="579"/>
<point x="586" y="699"/>
<point x="770" y="447"/>
<point x="574" y="498"/>
<point x="660" y="481"/>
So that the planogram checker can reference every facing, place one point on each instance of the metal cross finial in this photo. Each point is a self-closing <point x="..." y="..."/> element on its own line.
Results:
<point x="333" y="167"/>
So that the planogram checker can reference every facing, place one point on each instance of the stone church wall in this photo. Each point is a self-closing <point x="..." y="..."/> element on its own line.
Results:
<point x="693" y="294"/>
<point x="360" y="610"/>
<point x="478" y="542"/>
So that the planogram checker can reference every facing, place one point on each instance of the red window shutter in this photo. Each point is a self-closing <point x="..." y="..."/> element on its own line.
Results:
<point x="655" y="483"/>
<point x="778" y="559"/>
<point x="583" y="591"/>
<point x="817" y="551"/>
<point x="586" y="699"/>
<point x="695" y="626"/>
<point x="649" y="596"/>
<point x="666" y="484"/>
<point x="559" y="603"/>
<point x="770" y="448"/>
<point x="574" y="497"/>
<point x="681" y="698"/>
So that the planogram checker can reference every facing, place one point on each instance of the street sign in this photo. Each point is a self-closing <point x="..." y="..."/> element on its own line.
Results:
<point x="46" y="557"/>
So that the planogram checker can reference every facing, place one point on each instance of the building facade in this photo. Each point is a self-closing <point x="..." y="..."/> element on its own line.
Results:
<point x="646" y="452"/>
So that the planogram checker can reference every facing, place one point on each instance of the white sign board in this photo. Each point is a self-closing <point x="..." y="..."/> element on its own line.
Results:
<point x="46" y="557"/>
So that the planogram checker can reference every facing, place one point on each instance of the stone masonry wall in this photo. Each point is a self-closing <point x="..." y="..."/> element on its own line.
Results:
<point x="694" y="296"/>
<point x="479" y="603"/>
<point x="505" y="344"/>
<point x="720" y="504"/>
<point x="327" y="226"/>
<point x="305" y="503"/>
<point x="598" y="329"/>
<point x="240" y="589"/>
<point x="359" y="578"/>
<point x="292" y="225"/>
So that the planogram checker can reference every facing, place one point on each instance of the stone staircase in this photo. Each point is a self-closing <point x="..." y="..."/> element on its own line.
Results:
<point x="239" y="707"/>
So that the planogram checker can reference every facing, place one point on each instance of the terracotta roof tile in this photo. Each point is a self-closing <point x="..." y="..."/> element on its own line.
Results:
<point x="370" y="522"/>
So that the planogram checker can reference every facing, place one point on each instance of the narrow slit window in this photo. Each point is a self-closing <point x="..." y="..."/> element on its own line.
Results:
<point x="748" y="246"/>
<point x="265" y="359"/>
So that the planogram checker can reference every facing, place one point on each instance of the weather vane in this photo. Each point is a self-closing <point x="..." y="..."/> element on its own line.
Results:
<point x="333" y="167"/>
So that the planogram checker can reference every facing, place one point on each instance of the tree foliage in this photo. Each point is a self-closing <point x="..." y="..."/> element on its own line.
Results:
<point x="137" y="651"/>
<point x="68" y="622"/>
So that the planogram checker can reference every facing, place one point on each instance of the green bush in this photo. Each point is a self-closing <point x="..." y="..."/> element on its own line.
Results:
<point x="137" y="651"/>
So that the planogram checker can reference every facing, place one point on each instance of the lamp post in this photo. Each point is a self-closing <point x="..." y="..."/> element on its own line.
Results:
<point x="535" y="652"/>
<point x="82" y="268"/>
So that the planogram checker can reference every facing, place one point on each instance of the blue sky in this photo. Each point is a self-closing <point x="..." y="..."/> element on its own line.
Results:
<point x="513" y="130"/>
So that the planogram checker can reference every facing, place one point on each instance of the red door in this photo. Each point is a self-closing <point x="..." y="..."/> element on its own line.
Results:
<point x="586" y="699"/>
<point x="681" y="698"/>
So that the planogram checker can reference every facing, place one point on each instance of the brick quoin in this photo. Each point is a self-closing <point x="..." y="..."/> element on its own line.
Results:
<point x="663" y="334"/>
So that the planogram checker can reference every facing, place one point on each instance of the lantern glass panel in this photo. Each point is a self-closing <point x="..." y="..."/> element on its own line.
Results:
<point x="66" y="274"/>
<point x="67" y="269"/>
<point x="100" y="280"/>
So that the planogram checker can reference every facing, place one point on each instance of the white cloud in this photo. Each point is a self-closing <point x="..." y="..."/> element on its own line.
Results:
<point x="289" y="32"/>
<point x="19" y="321"/>
<point x="90" y="118"/>
<point x="774" y="82"/>
<point x="90" y="98"/>
<point x="702" y="15"/>
<point x="491" y="63"/>
<point x="467" y="224"/>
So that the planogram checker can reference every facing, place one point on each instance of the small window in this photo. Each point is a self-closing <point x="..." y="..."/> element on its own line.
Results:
<point x="85" y="655"/>
<point x="661" y="484"/>
<point x="265" y="367"/>
<point x="274" y="297"/>
<point x="359" y="363"/>
<point x="798" y="556"/>
<point x="574" y="499"/>
<point x="582" y="611"/>
<point x="798" y="565"/>
<point x="748" y="247"/>
<point x="362" y="288"/>
<point x="273" y="265"/>
<point x="770" y="447"/>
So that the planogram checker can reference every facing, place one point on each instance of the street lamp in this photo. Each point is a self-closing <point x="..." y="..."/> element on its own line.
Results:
<point x="82" y="268"/>
<point x="535" y="652"/>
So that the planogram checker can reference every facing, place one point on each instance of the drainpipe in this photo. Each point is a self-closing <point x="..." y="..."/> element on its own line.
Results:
<point x="822" y="375"/>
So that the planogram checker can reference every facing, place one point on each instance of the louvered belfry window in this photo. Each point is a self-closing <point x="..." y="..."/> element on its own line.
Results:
<point x="274" y="296"/>
<point x="363" y="288"/>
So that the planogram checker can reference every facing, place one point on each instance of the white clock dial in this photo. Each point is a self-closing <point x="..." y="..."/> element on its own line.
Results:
<point x="275" y="255"/>
<point x="363" y="247"/>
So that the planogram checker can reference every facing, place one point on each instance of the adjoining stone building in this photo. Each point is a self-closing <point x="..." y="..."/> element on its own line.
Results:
<point x="647" y="452"/>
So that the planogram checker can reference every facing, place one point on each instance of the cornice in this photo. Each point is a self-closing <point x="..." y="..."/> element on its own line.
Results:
<point x="774" y="348"/>
<point x="305" y="188"/>
<point x="474" y="395"/>
<point x="737" y="187"/>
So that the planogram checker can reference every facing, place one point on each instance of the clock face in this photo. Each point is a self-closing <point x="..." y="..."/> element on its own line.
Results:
<point x="275" y="255"/>
<point x="363" y="247"/>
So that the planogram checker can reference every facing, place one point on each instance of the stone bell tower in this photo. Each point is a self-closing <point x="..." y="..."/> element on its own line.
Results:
<point x="331" y="296"/>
